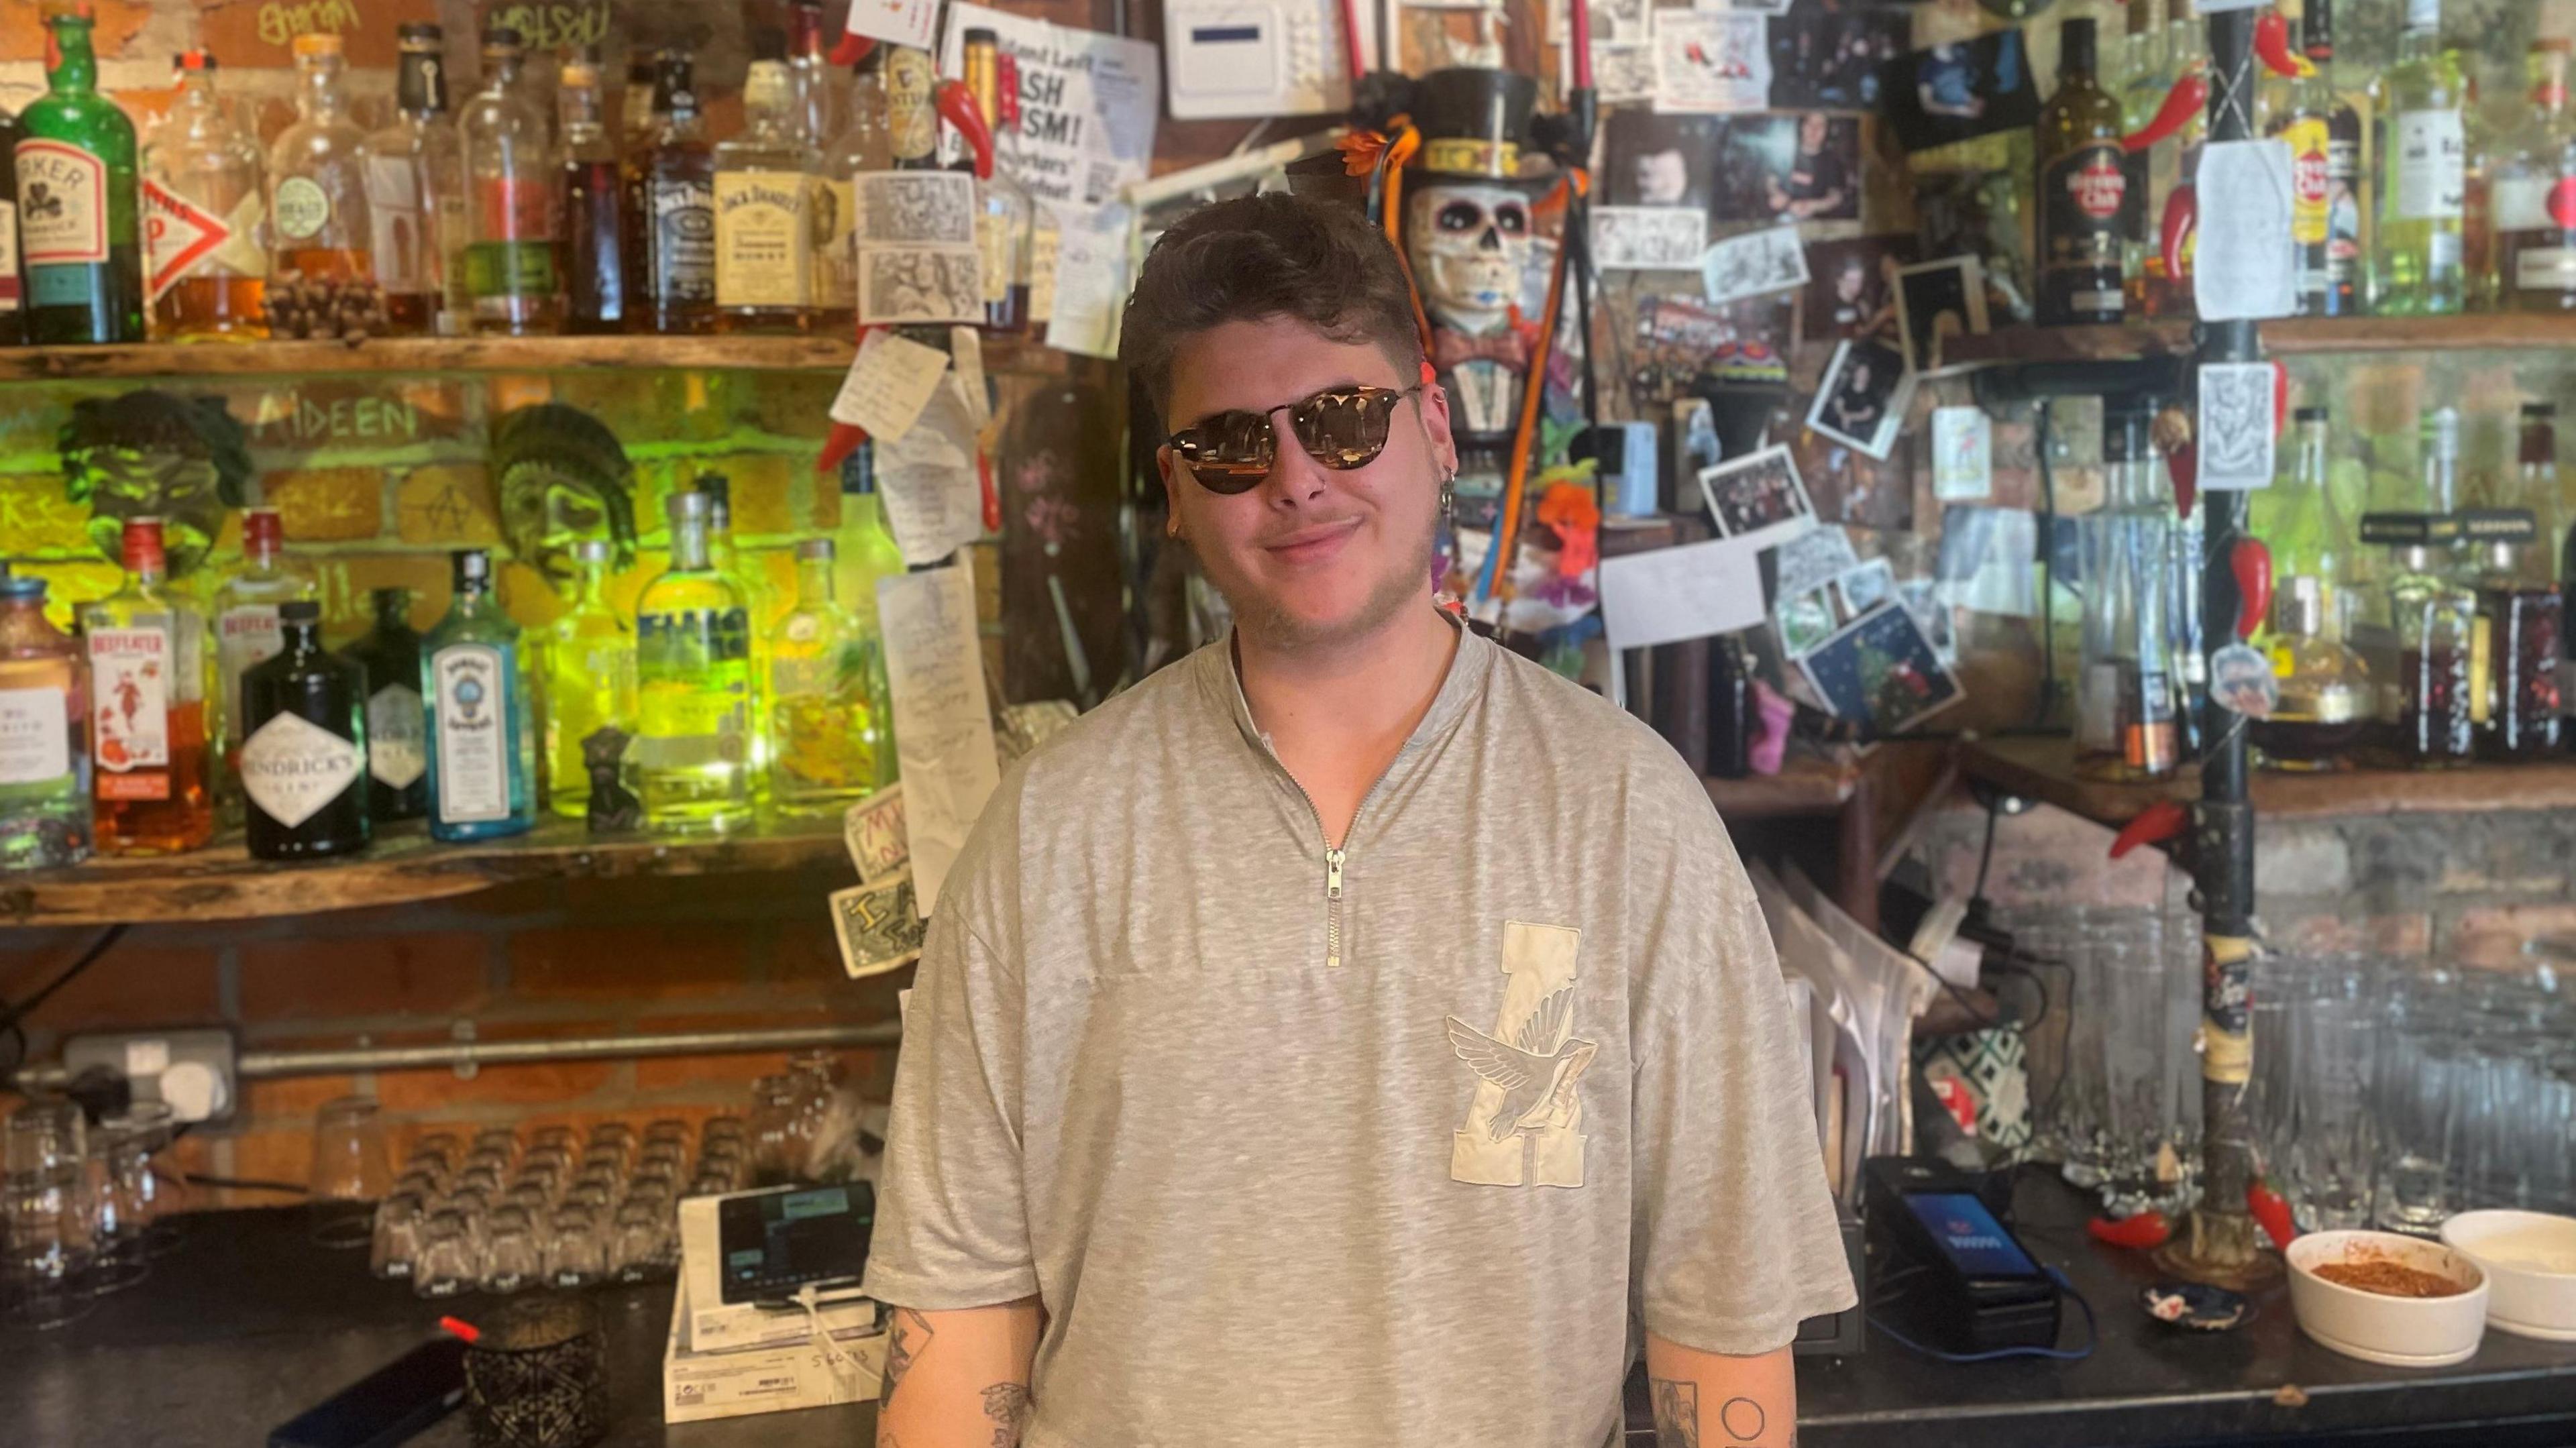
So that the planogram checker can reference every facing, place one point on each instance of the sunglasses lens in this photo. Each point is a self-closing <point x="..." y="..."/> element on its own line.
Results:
<point x="1345" y="429"/>
<point x="1229" y="452"/>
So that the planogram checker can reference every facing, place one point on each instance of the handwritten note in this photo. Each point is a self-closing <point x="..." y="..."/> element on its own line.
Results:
<point x="899" y="22"/>
<point x="1671" y="594"/>
<point x="943" y="728"/>
<point x="889" y="382"/>
<point x="934" y="500"/>
<point x="2244" y="267"/>
<point x="873" y="829"/>
<point x="1091" y="281"/>
<point x="966" y="354"/>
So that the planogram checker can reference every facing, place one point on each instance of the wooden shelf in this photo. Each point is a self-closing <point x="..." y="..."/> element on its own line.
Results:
<point x="2290" y="337"/>
<point x="429" y="354"/>
<point x="404" y="866"/>
<point x="1805" y="785"/>
<point x="2044" y="769"/>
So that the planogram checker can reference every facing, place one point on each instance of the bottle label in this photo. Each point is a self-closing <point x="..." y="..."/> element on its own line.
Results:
<point x="62" y="205"/>
<point x="473" y="739"/>
<point x="394" y="736"/>
<point x="993" y="244"/>
<point x="129" y="671"/>
<point x="764" y="239"/>
<point x="696" y="687"/>
<point x="2343" y="209"/>
<point x="291" y="767"/>
<point x="397" y="224"/>
<point x="912" y="126"/>
<point x="836" y="245"/>
<point x="303" y="208"/>
<point x="2432" y="166"/>
<point x="501" y="273"/>
<point x="801" y="678"/>
<point x="2081" y="209"/>
<point x="35" y="736"/>
<point x="684" y="240"/>
<point x="244" y="635"/>
<point x="2550" y="269"/>
<point x="10" y="300"/>
<point x="2521" y="203"/>
<point x="2311" y="184"/>
<point x="182" y="239"/>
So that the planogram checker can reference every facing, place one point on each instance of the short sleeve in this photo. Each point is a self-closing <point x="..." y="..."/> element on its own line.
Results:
<point x="951" y="1229"/>
<point x="1735" y="1236"/>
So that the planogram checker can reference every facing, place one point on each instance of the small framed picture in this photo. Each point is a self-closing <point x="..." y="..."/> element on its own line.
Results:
<point x="1881" y="673"/>
<point x="1858" y="590"/>
<point x="1959" y="91"/>
<point x="1861" y="402"/>
<point x="1758" y="497"/>
<point x="1937" y="298"/>
<point x="1805" y="620"/>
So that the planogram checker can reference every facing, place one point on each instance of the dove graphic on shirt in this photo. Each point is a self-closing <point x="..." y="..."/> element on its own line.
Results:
<point x="1537" y="1070"/>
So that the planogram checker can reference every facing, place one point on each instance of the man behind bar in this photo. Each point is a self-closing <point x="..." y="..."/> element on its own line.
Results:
<point x="1353" y="1034"/>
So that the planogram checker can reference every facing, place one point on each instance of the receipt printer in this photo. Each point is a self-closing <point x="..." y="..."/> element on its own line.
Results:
<point x="1950" y="1272"/>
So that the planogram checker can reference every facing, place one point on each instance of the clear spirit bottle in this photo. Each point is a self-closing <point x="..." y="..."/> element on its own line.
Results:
<point x="671" y="212"/>
<point x="764" y="196"/>
<point x="864" y="549"/>
<point x="80" y="234"/>
<point x="304" y="763"/>
<point x="397" y="744"/>
<point x="1006" y="216"/>
<point x="416" y="191"/>
<point x="514" y="208"/>
<point x="2125" y="696"/>
<point x="2325" y="699"/>
<point x="821" y="93"/>
<point x="2420" y="268"/>
<point x="148" y="676"/>
<point x="482" y="740"/>
<point x="862" y="145"/>
<point x="827" y="697"/>
<point x="317" y="174"/>
<point x="594" y="204"/>
<point x="44" y="735"/>
<point x="205" y="217"/>
<point x="693" y="657"/>
<point x="589" y="681"/>
<point x="2535" y="193"/>
<point x="758" y="599"/>
<point x="246" y="629"/>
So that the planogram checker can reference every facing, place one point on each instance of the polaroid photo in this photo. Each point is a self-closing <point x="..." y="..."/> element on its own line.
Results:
<point x="1648" y="238"/>
<point x="1849" y="486"/>
<point x="1828" y="54"/>
<point x="1959" y="91"/>
<point x="1711" y="62"/>
<point x="1804" y="620"/>
<point x="1936" y="299"/>
<point x="1963" y="454"/>
<point x="1812" y="560"/>
<point x="915" y="208"/>
<point x="1861" y="402"/>
<point x="1756" y="262"/>
<point x="1758" y="497"/>
<point x="1783" y="168"/>
<point x="1854" y="286"/>
<point x="1652" y="160"/>
<point x="1858" y="590"/>
<point x="1880" y="673"/>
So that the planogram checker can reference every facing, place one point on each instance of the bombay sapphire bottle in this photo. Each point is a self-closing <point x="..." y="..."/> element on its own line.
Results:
<point x="482" y="743"/>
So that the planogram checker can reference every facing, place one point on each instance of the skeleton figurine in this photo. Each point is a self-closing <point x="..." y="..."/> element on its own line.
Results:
<point x="1470" y="243"/>
<point x="614" y="809"/>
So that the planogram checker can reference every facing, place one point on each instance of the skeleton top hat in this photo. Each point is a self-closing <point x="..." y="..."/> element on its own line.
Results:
<point x="1467" y="229"/>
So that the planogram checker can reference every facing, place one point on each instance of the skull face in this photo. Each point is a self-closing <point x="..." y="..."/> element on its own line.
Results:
<point x="1469" y="243"/>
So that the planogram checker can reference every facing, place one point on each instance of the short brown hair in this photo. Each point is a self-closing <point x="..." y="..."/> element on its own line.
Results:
<point x="1273" y="255"/>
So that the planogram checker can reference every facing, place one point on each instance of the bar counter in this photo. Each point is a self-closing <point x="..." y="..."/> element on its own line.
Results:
<point x="248" y="1324"/>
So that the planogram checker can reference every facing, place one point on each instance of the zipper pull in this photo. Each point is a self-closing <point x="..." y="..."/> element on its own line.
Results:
<point x="1332" y="874"/>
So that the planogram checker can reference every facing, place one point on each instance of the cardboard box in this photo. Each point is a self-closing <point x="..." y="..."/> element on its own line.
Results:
<point x="771" y="1379"/>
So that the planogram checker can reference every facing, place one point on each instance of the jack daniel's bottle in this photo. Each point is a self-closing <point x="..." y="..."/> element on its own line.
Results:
<point x="2082" y="184"/>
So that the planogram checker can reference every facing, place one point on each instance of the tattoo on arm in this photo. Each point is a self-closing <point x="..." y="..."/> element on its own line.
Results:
<point x="1007" y="1404"/>
<point x="1742" y="1420"/>
<point x="1676" y="1412"/>
<point x="906" y="1336"/>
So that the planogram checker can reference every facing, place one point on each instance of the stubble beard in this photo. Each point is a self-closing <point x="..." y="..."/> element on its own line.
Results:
<point x="1274" y="628"/>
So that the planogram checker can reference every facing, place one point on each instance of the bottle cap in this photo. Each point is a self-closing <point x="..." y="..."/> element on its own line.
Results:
<point x="415" y="34"/>
<point x="317" y="44"/>
<point x="2309" y="414"/>
<point x="2540" y="409"/>
<point x="590" y="550"/>
<point x="686" y="508"/>
<point x="501" y="37"/>
<point x="391" y="600"/>
<point x="19" y="588"/>
<point x="195" y="62"/>
<point x="718" y="490"/>
<point x="814" y="550"/>
<point x="299" y="610"/>
<point x="143" y="548"/>
<point x="982" y="36"/>
<point x="470" y="568"/>
<point x="579" y="75"/>
<point x="262" y="530"/>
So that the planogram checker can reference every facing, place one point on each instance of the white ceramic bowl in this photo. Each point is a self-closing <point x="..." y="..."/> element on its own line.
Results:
<point x="2404" y="1332"/>
<point x="2527" y="1298"/>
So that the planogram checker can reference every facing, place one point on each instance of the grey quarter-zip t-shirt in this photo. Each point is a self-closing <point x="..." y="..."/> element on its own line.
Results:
<point x="1396" y="1146"/>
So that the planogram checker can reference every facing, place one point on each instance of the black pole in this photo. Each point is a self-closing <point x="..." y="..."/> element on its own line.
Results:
<point x="2220" y="1242"/>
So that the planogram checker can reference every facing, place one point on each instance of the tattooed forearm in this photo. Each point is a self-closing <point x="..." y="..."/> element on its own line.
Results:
<point x="906" y="1336"/>
<point x="1007" y="1404"/>
<point x="1676" y="1413"/>
<point x="1742" y="1420"/>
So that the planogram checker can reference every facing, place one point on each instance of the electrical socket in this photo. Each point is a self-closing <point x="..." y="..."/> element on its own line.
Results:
<point x="192" y="1069"/>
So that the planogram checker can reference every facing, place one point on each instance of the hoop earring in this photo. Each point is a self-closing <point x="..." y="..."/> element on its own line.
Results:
<point x="1449" y="501"/>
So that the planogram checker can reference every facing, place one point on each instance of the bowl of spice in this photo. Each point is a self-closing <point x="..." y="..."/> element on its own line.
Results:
<point x="2530" y="1257"/>
<point x="2386" y="1298"/>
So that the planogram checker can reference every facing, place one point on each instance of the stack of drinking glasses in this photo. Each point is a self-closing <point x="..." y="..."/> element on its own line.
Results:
<point x="83" y="1208"/>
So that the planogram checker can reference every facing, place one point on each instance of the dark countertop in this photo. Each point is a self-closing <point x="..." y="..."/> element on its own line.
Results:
<point x="247" y="1324"/>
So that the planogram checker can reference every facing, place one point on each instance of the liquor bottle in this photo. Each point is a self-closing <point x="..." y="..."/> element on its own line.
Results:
<point x="2437" y="488"/>
<point x="80" y="233"/>
<point x="2172" y="166"/>
<point x="514" y="214"/>
<point x="148" y="744"/>
<point x="912" y="117"/>
<point x="753" y="586"/>
<point x="2125" y="698"/>
<point x="482" y="741"/>
<point x="2534" y="197"/>
<point x="2517" y="635"/>
<point x="827" y="694"/>
<point x="594" y="205"/>
<point x="205" y="214"/>
<point x="693" y="669"/>
<point x="764" y="180"/>
<point x="861" y="146"/>
<point x="638" y="117"/>
<point x="246" y="627"/>
<point x="317" y="174"/>
<point x="304" y="762"/>
<point x="821" y="94"/>
<point x="1005" y="216"/>
<point x="2422" y="186"/>
<point x="864" y="549"/>
<point x="416" y="191"/>
<point x="2324" y="132"/>
<point x="13" y="297"/>
<point x="671" y="212"/>
<point x="44" y="739"/>
<point x="2325" y="696"/>
<point x="2081" y="185"/>
<point x="589" y="680"/>
<point x="2145" y="77"/>
<point x="397" y="748"/>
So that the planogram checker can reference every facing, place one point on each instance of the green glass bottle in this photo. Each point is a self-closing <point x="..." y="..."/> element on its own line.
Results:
<point x="864" y="549"/>
<point x="693" y="669"/>
<point x="397" y="758"/>
<point x="80" y="232"/>
<point x="482" y="746"/>
<point x="588" y="678"/>
<point x="726" y="557"/>
<point x="827" y="693"/>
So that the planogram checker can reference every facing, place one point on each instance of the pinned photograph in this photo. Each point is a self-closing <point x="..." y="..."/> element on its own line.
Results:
<point x="1978" y="213"/>
<point x="2236" y="431"/>
<point x="1861" y="401"/>
<point x="1753" y="263"/>
<point x="1711" y="61"/>
<point x="1805" y="619"/>
<point x="1812" y="560"/>
<point x="1858" y="590"/>
<point x="1959" y="91"/>
<point x="1827" y="54"/>
<point x="917" y="208"/>
<point x="1855" y="286"/>
<point x="1652" y="160"/>
<point x="1664" y="347"/>
<point x="1758" y="497"/>
<point x="1936" y="299"/>
<point x="1648" y="238"/>
<point x="919" y="284"/>
<point x="1880" y="672"/>
<point x="1963" y="454"/>
<point x="1787" y="168"/>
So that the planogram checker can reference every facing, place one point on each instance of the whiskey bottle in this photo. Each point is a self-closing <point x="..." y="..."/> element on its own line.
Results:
<point x="482" y="742"/>
<point x="671" y="218"/>
<point x="205" y="216"/>
<point x="1005" y="216"/>
<point x="397" y="751"/>
<point x="2517" y="635"/>
<point x="2534" y="196"/>
<point x="827" y="697"/>
<point x="594" y="199"/>
<point x="246" y="628"/>
<point x="44" y="735"/>
<point x="2324" y="132"/>
<point x="764" y="181"/>
<point x="304" y="762"/>
<point x="638" y="116"/>
<point x="588" y="672"/>
<point x="80" y="234"/>
<point x="13" y="296"/>
<point x="416" y="191"/>
<point x="912" y="116"/>
<point x="693" y="657"/>
<point x="2420" y="268"/>
<point x="317" y="174"/>
<point x="147" y="665"/>
<point x="862" y="145"/>
<point x="2081" y="186"/>
<point x="514" y="211"/>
